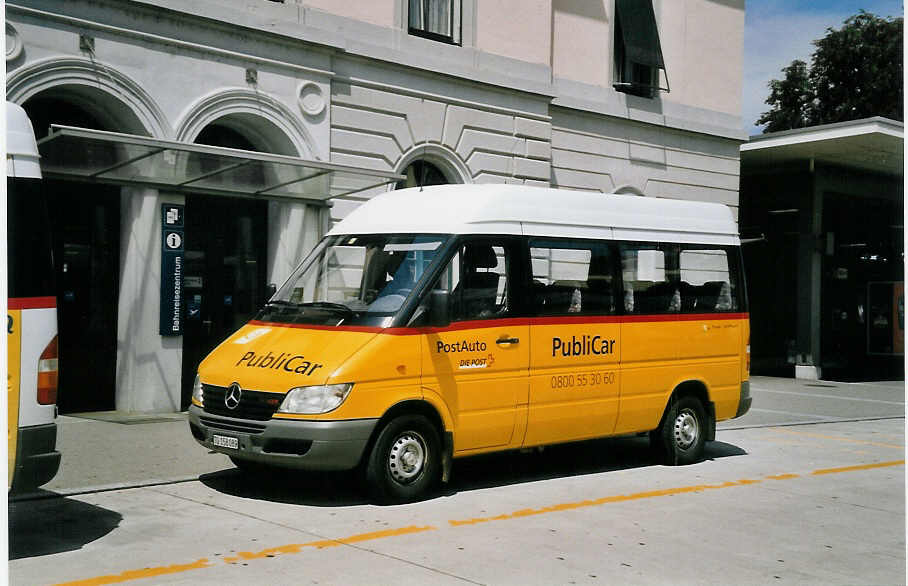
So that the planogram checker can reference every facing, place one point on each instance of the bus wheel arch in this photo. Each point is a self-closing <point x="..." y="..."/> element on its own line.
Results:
<point x="688" y="422"/>
<point x="415" y="426"/>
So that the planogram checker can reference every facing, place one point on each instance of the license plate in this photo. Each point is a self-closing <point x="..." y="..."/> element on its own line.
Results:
<point x="223" y="441"/>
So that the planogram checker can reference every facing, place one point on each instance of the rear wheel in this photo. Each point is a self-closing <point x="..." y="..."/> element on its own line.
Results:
<point x="682" y="435"/>
<point x="405" y="462"/>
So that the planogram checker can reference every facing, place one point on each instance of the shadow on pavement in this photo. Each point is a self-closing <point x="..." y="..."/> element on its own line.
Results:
<point x="317" y="489"/>
<point x="56" y="525"/>
<point x="340" y="489"/>
<point x="564" y="460"/>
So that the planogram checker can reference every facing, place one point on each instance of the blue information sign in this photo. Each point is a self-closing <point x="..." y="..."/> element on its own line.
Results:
<point x="171" y="323"/>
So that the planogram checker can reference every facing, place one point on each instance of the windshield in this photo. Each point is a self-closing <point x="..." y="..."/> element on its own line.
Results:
<point x="354" y="280"/>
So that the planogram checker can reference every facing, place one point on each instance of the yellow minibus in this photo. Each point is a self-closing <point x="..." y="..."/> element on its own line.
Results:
<point x="442" y="322"/>
<point x="31" y="316"/>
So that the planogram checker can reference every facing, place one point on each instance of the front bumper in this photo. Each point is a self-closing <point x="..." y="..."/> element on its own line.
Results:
<point x="302" y="444"/>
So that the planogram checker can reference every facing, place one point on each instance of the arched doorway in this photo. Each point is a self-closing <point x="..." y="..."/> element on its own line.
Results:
<point x="85" y="232"/>
<point x="225" y="279"/>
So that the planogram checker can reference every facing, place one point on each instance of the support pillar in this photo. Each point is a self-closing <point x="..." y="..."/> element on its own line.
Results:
<point x="293" y="231"/>
<point x="149" y="365"/>
<point x="810" y="279"/>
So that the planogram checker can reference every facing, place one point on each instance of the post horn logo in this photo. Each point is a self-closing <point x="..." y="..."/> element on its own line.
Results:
<point x="234" y="394"/>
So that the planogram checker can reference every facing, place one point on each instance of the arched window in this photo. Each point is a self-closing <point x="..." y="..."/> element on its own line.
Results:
<point x="629" y="190"/>
<point x="421" y="173"/>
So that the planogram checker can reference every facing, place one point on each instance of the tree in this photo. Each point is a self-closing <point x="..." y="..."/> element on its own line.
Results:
<point x="791" y="100"/>
<point x="855" y="72"/>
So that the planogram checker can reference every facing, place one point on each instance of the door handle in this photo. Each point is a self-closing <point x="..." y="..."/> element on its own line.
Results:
<point x="505" y="341"/>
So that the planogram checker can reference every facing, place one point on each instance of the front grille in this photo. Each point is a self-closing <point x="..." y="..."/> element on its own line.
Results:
<point x="255" y="405"/>
<point x="239" y="426"/>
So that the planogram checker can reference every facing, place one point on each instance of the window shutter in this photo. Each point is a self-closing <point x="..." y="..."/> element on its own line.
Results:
<point x="639" y="32"/>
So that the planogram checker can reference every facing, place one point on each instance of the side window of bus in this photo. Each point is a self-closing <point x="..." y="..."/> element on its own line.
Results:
<point x="478" y="278"/>
<point x="650" y="278"/>
<point x="483" y="290"/>
<point x="708" y="283"/>
<point x="572" y="277"/>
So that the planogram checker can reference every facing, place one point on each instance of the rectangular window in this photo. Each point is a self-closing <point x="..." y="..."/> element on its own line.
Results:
<point x="478" y="277"/>
<point x="438" y="20"/>
<point x="708" y="280"/>
<point x="573" y="277"/>
<point x="650" y="278"/>
<point x="638" y="52"/>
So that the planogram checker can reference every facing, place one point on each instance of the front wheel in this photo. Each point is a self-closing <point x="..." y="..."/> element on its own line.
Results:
<point x="405" y="461"/>
<point x="682" y="435"/>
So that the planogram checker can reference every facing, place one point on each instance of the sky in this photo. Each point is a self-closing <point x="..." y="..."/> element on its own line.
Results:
<point x="776" y="32"/>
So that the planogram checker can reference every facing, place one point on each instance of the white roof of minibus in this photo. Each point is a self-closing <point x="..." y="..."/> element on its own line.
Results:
<point x="21" y="147"/>
<point x="540" y="211"/>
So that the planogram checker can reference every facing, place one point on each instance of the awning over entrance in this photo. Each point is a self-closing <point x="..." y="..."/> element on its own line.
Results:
<point x="124" y="159"/>
<point x="871" y="144"/>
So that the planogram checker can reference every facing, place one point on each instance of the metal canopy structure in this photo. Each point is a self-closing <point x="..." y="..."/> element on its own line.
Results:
<point x="871" y="144"/>
<point x="83" y="154"/>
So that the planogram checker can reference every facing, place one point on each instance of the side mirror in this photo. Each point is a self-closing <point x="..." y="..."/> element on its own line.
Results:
<point x="270" y="290"/>
<point x="439" y="315"/>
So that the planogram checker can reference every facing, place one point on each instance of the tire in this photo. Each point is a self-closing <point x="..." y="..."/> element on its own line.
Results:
<point x="682" y="434"/>
<point x="405" y="462"/>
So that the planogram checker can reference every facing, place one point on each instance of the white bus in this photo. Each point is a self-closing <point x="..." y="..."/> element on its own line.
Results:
<point x="31" y="318"/>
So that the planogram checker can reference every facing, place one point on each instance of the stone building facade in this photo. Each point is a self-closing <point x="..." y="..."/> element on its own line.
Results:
<point x="610" y="95"/>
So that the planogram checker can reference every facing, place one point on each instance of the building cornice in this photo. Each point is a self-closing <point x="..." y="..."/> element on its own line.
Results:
<point x="285" y="25"/>
<point x="161" y="39"/>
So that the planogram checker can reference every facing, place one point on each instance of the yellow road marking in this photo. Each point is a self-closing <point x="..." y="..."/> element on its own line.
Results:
<point x="143" y="573"/>
<point x="602" y="501"/>
<point x="784" y="476"/>
<point x="856" y="468"/>
<point x="837" y="438"/>
<point x="299" y="547"/>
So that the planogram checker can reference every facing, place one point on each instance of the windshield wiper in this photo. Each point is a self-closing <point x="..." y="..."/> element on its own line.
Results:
<point x="282" y="303"/>
<point x="329" y="305"/>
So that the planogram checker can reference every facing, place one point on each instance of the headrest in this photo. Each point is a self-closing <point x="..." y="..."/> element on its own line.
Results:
<point x="600" y="265"/>
<point x="480" y="256"/>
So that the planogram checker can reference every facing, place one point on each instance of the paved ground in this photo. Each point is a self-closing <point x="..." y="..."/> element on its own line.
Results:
<point x="107" y="450"/>
<point x="114" y="450"/>
<point x="782" y="401"/>
<point x="819" y="503"/>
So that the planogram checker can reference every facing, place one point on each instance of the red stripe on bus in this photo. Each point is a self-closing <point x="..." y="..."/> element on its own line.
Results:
<point x="361" y="329"/>
<point x="462" y="325"/>
<point x="522" y="321"/>
<point x="31" y="302"/>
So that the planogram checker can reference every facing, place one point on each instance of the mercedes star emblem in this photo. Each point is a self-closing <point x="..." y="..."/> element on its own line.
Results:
<point x="234" y="394"/>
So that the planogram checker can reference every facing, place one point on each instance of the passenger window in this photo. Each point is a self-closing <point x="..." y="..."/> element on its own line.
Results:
<point x="478" y="278"/>
<point x="572" y="277"/>
<point x="707" y="283"/>
<point x="650" y="278"/>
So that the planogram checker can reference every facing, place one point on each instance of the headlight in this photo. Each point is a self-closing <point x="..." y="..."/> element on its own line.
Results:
<point x="197" y="391"/>
<point x="315" y="400"/>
